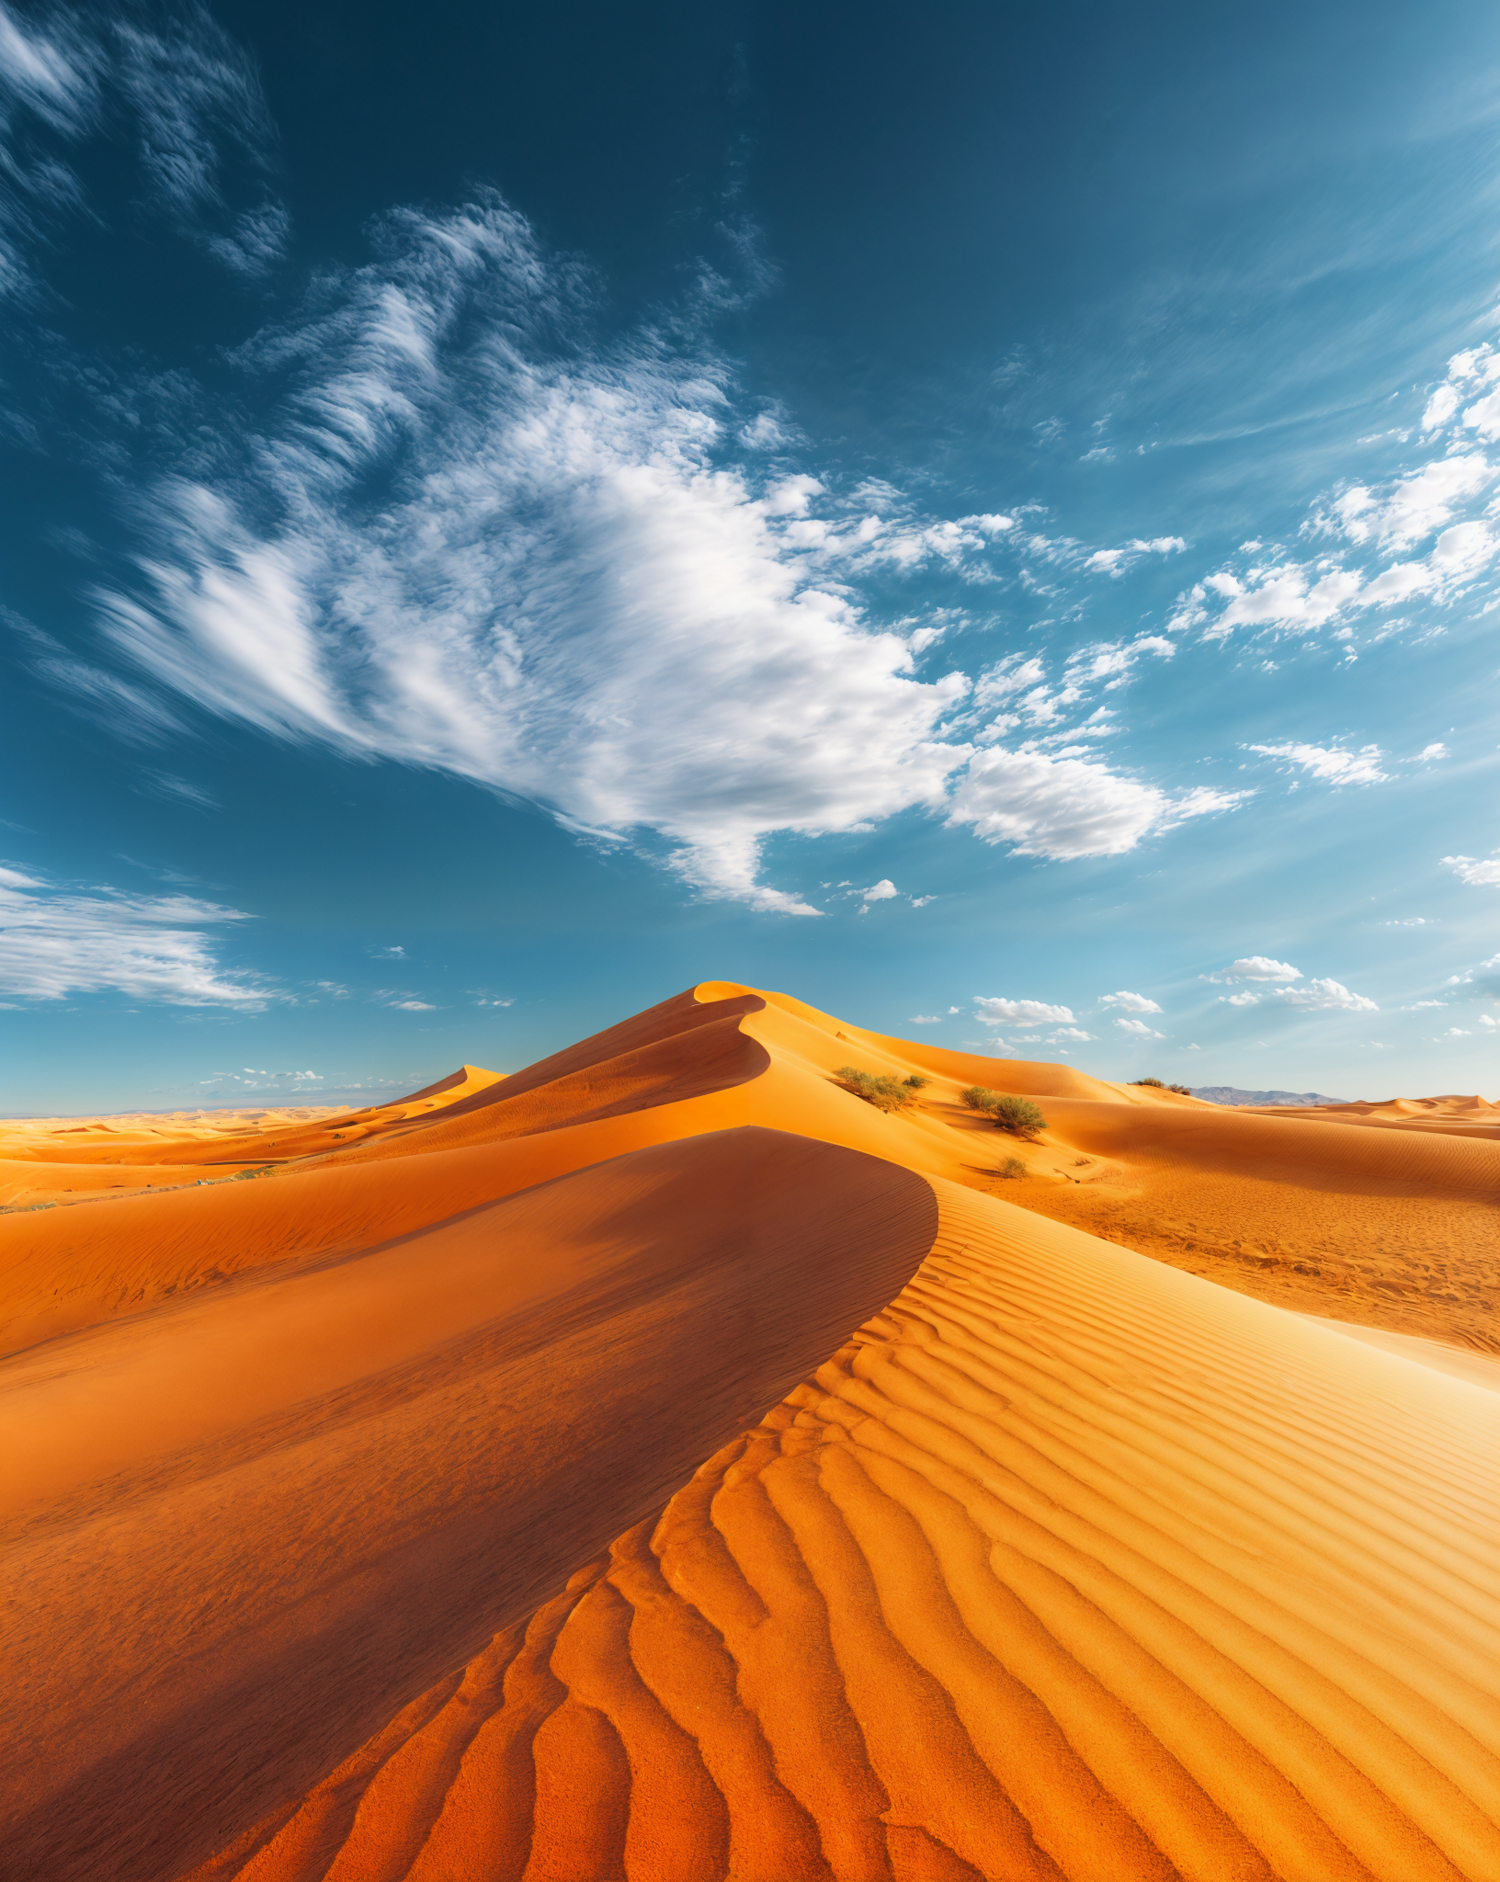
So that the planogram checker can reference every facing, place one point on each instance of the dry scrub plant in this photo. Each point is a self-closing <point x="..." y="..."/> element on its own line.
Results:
<point x="1019" y="1116"/>
<point x="882" y="1089"/>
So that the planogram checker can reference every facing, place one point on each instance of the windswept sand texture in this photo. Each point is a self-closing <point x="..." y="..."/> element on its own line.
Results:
<point x="1065" y="1563"/>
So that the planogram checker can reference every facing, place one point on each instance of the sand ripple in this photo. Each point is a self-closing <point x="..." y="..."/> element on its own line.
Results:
<point x="1066" y="1565"/>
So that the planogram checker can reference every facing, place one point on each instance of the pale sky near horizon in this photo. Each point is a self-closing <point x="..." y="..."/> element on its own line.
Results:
<point x="983" y="520"/>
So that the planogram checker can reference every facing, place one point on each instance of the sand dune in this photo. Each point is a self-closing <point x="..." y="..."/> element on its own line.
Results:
<point x="1069" y="1564"/>
<point x="1046" y="1573"/>
<point x="1452" y="1115"/>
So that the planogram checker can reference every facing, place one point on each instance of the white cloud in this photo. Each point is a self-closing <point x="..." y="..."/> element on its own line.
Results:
<point x="1418" y="1005"/>
<point x="1117" y="561"/>
<point x="925" y="1019"/>
<point x="186" y="98"/>
<point x="1327" y="995"/>
<point x="563" y="594"/>
<point x="1260" y="967"/>
<point x="1137" y="1028"/>
<point x="412" y="1006"/>
<point x="1241" y="999"/>
<point x="1132" y="1002"/>
<point x="1485" y="1020"/>
<point x="999" y="1012"/>
<point x="881" y="891"/>
<point x="55" y="942"/>
<point x="1472" y="870"/>
<point x="1456" y="1032"/>
<point x="569" y="594"/>
<point x="1065" y="807"/>
<point x="1331" y="763"/>
<point x="1071" y="1032"/>
<point x="1415" y="506"/>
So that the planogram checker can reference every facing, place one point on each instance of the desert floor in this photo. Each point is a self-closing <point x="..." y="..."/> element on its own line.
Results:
<point x="661" y="1465"/>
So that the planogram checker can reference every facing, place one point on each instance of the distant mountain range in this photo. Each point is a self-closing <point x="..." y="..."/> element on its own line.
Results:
<point x="1231" y="1094"/>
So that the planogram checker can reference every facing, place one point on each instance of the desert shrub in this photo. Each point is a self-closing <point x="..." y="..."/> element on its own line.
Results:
<point x="1149" y="1081"/>
<point x="882" y="1089"/>
<point x="1013" y="1167"/>
<point x="1183" y="1091"/>
<point x="1018" y="1115"/>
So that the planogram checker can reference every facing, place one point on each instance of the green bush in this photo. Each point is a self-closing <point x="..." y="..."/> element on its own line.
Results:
<point x="1019" y="1116"/>
<point x="1149" y="1081"/>
<point x="882" y="1089"/>
<point x="1013" y="1167"/>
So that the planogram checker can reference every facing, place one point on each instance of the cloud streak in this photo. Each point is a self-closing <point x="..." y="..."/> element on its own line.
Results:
<point x="56" y="942"/>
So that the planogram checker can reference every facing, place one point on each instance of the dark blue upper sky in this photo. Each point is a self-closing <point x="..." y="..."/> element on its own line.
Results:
<point x="983" y="519"/>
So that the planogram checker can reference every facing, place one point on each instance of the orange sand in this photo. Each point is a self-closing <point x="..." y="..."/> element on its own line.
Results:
<point x="1064" y="1564"/>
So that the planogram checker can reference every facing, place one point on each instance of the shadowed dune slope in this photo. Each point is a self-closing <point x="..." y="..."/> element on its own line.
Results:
<point x="250" y="1527"/>
<point x="1066" y="1565"/>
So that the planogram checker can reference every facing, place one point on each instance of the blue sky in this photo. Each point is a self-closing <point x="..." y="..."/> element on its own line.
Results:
<point x="984" y="521"/>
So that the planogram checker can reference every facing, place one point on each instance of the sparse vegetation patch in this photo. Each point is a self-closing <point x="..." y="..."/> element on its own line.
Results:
<point x="882" y="1089"/>
<point x="1181" y="1090"/>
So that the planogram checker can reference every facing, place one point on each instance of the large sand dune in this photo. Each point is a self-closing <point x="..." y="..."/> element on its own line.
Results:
<point x="1063" y="1563"/>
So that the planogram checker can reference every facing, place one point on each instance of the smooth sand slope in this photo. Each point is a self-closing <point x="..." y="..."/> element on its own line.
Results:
<point x="1454" y="1115"/>
<point x="1069" y="1565"/>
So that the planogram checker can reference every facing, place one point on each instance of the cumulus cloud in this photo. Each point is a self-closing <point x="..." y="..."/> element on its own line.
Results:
<point x="925" y="1019"/>
<point x="1478" y="873"/>
<point x="1330" y="762"/>
<point x="55" y="942"/>
<point x="1138" y="1029"/>
<point x="1327" y="995"/>
<point x="881" y="891"/>
<point x="1131" y="1002"/>
<point x="1071" y="1032"/>
<point x="1426" y="533"/>
<point x="1240" y="999"/>
<point x="1001" y="1012"/>
<point x="1259" y="967"/>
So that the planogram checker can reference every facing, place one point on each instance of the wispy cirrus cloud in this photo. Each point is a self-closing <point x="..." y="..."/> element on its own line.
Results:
<point x="174" y="89"/>
<point x="1330" y="763"/>
<point x="577" y="589"/>
<point x="55" y="942"/>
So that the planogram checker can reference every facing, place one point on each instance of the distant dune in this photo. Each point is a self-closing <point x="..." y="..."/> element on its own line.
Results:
<point x="660" y="1464"/>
